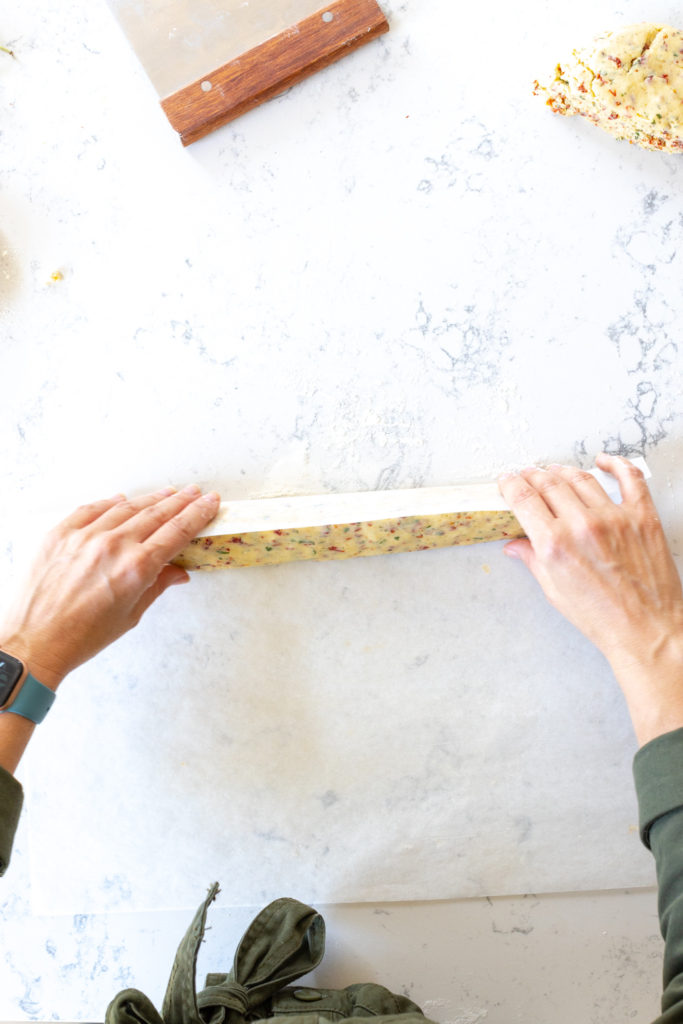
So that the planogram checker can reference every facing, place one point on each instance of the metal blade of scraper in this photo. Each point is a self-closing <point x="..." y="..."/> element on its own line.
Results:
<point x="213" y="60"/>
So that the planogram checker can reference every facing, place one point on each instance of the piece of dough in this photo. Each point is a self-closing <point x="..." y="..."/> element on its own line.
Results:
<point x="628" y="82"/>
<point x="348" y="540"/>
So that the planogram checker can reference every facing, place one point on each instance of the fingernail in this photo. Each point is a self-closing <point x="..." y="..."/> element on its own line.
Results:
<point x="210" y="499"/>
<point x="168" y="491"/>
<point x="192" y="489"/>
<point x="118" y="497"/>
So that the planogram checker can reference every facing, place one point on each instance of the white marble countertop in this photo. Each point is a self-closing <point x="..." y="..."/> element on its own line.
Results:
<point x="402" y="273"/>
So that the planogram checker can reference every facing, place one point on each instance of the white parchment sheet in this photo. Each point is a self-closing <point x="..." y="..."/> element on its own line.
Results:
<point x="273" y="728"/>
<point x="297" y="511"/>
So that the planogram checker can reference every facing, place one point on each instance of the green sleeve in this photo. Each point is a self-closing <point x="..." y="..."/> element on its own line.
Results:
<point x="658" y="772"/>
<point x="11" y="799"/>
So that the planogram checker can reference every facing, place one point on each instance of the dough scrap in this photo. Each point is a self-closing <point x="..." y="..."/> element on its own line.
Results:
<point x="628" y="82"/>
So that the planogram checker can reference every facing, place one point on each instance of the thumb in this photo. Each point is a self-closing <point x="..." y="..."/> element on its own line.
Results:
<point x="522" y="550"/>
<point x="169" y="576"/>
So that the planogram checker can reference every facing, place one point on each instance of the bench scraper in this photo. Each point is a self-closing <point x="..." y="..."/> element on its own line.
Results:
<point x="213" y="60"/>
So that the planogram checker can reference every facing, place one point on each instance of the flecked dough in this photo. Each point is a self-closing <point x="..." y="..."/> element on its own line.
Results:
<point x="348" y="540"/>
<point x="628" y="82"/>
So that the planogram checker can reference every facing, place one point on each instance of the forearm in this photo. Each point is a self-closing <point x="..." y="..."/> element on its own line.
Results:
<point x="608" y="569"/>
<point x="666" y="838"/>
<point x="11" y="800"/>
<point x="652" y="683"/>
<point x="15" y="733"/>
<point x="658" y="771"/>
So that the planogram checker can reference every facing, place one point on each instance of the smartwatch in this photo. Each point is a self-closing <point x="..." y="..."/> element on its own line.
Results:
<point x="20" y="693"/>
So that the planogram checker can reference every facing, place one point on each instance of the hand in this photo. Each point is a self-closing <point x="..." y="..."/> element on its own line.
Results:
<point x="97" y="573"/>
<point x="608" y="569"/>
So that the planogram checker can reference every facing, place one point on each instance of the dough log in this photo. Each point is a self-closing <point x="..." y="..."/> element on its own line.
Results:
<point x="348" y="540"/>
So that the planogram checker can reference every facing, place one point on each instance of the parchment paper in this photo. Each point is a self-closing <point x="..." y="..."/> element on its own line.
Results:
<point x="269" y="729"/>
<point x="284" y="513"/>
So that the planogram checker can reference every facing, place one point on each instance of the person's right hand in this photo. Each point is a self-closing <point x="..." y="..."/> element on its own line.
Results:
<point x="609" y="570"/>
<point x="97" y="573"/>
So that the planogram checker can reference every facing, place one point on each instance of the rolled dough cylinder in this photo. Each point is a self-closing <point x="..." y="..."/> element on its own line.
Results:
<point x="348" y="540"/>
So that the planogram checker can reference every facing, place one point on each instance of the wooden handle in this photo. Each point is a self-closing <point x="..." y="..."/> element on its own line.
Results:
<point x="273" y="66"/>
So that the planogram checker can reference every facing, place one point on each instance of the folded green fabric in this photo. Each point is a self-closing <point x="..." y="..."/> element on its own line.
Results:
<point x="285" y="941"/>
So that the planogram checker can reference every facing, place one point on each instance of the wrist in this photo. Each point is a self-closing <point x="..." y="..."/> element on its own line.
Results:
<point x="651" y="679"/>
<point x="34" y="663"/>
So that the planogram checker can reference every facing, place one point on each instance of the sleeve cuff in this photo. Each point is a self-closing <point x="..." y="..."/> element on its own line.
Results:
<point x="11" y="800"/>
<point x="658" y="775"/>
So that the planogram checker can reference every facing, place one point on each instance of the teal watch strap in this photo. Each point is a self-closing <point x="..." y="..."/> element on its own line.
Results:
<point x="33" y="700"/>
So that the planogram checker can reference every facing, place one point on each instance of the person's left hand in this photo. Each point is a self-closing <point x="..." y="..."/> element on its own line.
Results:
<point x="97" y="573"/>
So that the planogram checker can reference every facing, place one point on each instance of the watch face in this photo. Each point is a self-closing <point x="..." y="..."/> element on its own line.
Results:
<point x="11" y="672"/>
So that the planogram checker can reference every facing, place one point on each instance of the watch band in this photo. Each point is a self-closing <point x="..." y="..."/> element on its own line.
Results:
<point x="33" y="700"/>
